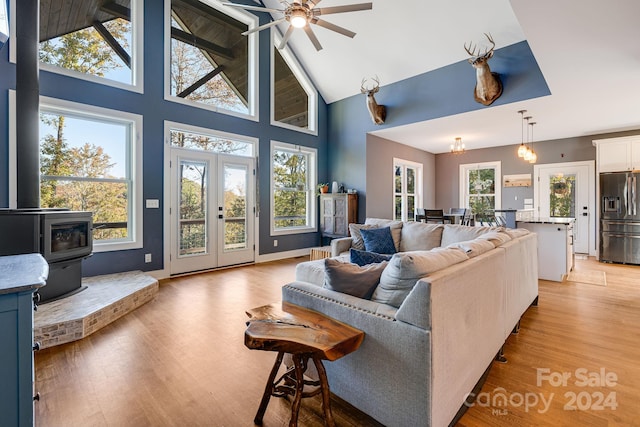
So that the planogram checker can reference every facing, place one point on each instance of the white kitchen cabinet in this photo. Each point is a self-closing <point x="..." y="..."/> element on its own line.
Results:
<point x="618" y="154"/>
<point x="555" y="246"/>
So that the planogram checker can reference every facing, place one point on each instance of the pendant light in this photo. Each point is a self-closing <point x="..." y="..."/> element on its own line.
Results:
<point x="522" y="149"/>
<point x="458" y="146"/>
<point x="534" y="157"/>
<point x="528" y="153"/>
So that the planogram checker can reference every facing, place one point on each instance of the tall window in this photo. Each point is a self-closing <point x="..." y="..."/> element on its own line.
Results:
<point x="407" y="189"/>
<point x="480" y="187"/>
<point x="211" y="63"/>
<point x="294" y="100"/>
<point x="90" y="160"/>
<point x="99" y="42"/>
<point x="293" y="184"/>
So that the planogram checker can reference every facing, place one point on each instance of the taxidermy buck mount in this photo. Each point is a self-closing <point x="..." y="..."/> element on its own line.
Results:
<point x="378" y="112"/>
<point x="488" y="85"/>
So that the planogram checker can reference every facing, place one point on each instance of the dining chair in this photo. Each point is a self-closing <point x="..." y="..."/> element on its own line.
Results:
<point x="420" y="215"/>
<point x="434" y="216"/>
<point x="460" y="212"/>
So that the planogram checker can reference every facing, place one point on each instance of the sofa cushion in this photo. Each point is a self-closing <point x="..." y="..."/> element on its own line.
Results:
<point x="395" y="226"/>
<point x="363" y="257"/>
<point x="496" y="237"/>
<point x="516" y="232"/>
<point x="473" y="248"/>
<point x="378" y="240"/>
<point x="356" y="236"/>
<point x="406" y="268"/>
<point x="352" y="279"/>
<point x="418" y="236"/>
<point x="313" y="271"/>
<point x="461" y="233"/>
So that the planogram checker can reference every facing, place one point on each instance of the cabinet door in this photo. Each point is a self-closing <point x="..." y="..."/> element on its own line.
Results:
<point x="635" y="155"/>
<point x="340" y="218"/>
<point x="327" y="214"/>
<point x="614" y="156"/>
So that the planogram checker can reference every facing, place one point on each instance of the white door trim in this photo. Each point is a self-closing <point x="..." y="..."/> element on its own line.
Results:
<point x="593" y="213"/>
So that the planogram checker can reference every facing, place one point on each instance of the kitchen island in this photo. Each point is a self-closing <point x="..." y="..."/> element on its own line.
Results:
<point x="555" y="246"/>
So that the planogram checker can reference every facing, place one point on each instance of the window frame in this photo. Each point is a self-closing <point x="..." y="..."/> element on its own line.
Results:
<point x="464" y="182"/>
<point x="312" y="182"/>
<point x="304" y="80"/>
<point x="418" y="194"/>
<point x="253" y="61"/>
<point x="183" y="127"/>
<point x="137" y="53"/>
<point x="133" y="163"/>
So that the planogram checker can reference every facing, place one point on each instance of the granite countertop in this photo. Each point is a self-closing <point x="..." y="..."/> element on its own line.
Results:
<point x="548" y="220"/>
<point x="22" y="273"/>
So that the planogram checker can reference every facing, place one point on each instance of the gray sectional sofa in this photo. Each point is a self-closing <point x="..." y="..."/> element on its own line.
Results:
<point x="429" y="345"/>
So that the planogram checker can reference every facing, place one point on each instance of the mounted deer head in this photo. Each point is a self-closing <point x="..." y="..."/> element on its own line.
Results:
<point x="378" y="112"/>
<point x="488" y="85"/>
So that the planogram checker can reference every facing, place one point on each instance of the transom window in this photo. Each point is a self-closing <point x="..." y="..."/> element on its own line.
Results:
<point x="293" y="184"/>
<point x="294" y="99"/>
<point x="480" y="187"/>
<point x="90" y="160"/>
<point x="101" y="40"/>
<point x="211" y="63"/>
<point x="407" y="189"/>
<point x="197" y="138"/>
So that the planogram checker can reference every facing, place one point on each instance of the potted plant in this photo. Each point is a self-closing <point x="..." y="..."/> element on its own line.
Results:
<point x="323" y="187"/>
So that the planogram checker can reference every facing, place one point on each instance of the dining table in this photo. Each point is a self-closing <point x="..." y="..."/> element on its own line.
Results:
<point x="454" y="218"/>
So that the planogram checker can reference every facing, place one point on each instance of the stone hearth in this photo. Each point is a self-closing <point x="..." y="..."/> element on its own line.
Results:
<point x="105" y="299"/>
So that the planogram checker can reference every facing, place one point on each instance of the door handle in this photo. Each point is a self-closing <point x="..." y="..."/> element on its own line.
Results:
<point x="633" y="193"/>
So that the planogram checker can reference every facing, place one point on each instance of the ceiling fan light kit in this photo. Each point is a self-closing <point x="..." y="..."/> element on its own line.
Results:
<point x="303" y="13"/>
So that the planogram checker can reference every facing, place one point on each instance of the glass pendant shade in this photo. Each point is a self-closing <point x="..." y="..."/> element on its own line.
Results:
<point x="527" y="155"/>
<point x="533" y="158"/>
<point x="522" y="150"/>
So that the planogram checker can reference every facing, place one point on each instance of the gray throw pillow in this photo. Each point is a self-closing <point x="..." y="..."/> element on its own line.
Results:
<point x="418" y="236"/>
<point x="356" y="235"/>
<point x="352" y="279"/>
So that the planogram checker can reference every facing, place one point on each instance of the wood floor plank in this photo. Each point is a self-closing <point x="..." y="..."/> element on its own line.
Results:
<point x="180" y="359"/>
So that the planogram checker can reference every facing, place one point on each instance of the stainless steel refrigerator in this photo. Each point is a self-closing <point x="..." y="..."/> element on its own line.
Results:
<point x="620" y="217"/>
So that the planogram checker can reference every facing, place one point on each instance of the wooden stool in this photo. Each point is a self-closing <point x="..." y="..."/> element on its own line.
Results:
<point x="305" y="334"/>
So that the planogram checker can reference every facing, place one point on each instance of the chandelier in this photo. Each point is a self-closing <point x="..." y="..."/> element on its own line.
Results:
<point x="458" y="146"/>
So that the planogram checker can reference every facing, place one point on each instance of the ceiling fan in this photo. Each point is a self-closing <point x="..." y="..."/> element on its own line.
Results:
<point x="302" y="13"/>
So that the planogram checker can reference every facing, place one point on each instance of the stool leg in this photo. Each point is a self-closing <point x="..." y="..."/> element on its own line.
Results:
<point x="268" y="390"/>
<point x="295" y="406"/>
<point x="326" y="396"/>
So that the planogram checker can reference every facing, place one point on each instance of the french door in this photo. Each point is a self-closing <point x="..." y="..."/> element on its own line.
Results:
<point x="212" y="210"/>
<point x="568" y="190"/>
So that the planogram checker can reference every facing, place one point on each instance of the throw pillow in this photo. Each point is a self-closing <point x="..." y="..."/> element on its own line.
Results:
<point x="352" y="279"/>
<point x="496" y="237"/>
<point x="356" y="236"/>
<point x="378" y="240"/>
<point x="473" y="248"/>
<point x="395" y="226"/>
<point x="363" y="257"/>
<point x="461" y="233"/>
<point x="406" y="268"/>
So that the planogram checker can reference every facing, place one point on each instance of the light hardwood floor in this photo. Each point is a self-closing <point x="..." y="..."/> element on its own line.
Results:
<point x="180" y="360"/>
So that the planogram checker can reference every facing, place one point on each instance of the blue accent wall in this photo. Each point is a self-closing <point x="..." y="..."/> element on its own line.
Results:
<point x="155" y="109"/>
<point x="438" y="93"/>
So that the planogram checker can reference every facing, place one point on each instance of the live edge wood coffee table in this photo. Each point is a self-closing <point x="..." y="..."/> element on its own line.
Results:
<point x="305" y="334"/>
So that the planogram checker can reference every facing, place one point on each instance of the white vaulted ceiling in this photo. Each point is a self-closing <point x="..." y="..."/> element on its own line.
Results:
<point x="587" y="50"/>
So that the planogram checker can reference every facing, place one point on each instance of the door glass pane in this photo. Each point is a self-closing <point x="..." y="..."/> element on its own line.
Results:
<point x="398" y="179"/>
<point x="411" y="180"/>
<point x="235" y="207"/>
<point x="193" y="208"/>
<point x="562" y="196"/>
<point x="411" y="207"/>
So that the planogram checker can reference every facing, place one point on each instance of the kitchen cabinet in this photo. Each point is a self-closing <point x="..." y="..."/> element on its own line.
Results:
<point x="337" y="211"/>
<point x="555" y="246"/>
<point x="20" y="277"/>
<point x="618" y="154"/>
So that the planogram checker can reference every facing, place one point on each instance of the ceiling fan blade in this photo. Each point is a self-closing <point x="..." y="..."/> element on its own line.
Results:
<point x="312" y="37"/>
<point x="286" y="36"/>
<point x="256" y="8"/>
<point x="262" y="27"/>
<point x="342" y="9"/>
<point x="333" y="27"/>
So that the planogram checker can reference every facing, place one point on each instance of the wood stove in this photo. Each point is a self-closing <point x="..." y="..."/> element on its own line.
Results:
<point x="63" y="237"/>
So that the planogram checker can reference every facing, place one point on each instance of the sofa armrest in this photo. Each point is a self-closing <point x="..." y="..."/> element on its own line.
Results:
<point x="340" y="245"/>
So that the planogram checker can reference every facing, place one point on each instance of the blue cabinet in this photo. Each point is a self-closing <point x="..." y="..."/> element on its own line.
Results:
<point x="20" y="277"/>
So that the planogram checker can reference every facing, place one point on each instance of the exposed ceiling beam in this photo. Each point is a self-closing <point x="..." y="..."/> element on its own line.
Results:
<point x="188" y="91"/>
<point x="117" y="10"/>
<point x="112" y="42"/>
<point x="200" y="43"/>
<point x="201" y="7"/>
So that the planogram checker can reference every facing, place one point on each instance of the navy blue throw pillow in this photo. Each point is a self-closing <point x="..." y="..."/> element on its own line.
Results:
<point x="363" y="257"/>
<point x="378" y="240"/>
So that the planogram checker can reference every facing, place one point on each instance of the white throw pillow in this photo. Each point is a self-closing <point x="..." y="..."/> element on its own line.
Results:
<point x="473" y="248"/>
<point x="496" y="237"/>
<point x="462" y="233"/>
<point x="418" y="236"/>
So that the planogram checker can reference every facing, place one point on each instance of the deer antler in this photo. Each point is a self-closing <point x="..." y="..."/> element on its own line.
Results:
<point x="374" y="89"/>
<point x="486" y="53"/>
